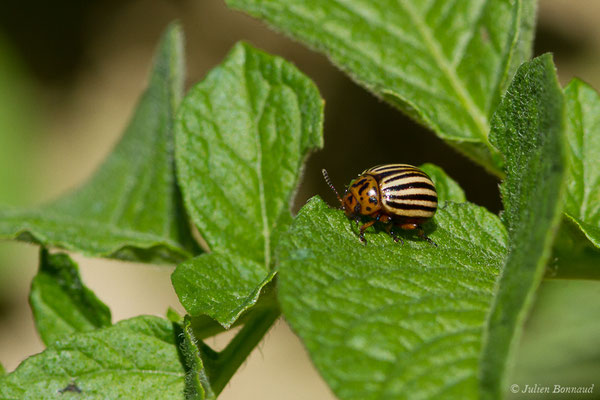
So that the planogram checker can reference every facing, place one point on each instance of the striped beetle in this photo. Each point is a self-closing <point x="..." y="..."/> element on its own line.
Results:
<point x="394" y="194"/>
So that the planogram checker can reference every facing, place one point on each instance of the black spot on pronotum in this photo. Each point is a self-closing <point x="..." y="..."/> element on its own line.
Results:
<point x="368" y="208"/>
<point x="359" y="182"/>
<point x="363" y="187"/>
<point x="373" y="200"/>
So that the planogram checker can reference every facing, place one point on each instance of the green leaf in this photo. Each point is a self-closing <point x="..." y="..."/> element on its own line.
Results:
<point x="528" y="129"/>
<point x="444" y="64"/>
<point x="387" y="320"/>
<point x="242" y="137"/>
<point x="61" y="303"/>
<point x="133" y="359"/>
<point x="131" y="207"/>
<point x="582" y="204"/>
<point x="446" y="187"/>
<point x="2" y="370"/>
<point x="173" y="316"/>
<point x="221" y="286"/>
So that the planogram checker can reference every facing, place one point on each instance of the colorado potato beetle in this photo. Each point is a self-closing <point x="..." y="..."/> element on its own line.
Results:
<point x="396" y="195"/>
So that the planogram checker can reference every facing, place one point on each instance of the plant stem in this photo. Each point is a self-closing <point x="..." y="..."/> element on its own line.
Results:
<point x="241" y="345"/>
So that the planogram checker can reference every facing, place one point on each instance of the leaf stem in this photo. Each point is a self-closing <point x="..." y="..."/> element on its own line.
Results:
<point x="241" y="346"/>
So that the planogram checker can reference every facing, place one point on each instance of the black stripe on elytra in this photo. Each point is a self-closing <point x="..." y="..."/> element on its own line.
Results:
<point x="411" y="185"/>
<point x="382" y="168"/>
<point x="402" y="206"/>
<point x="363" y="187"/>
<point x="426" y="197"/>
<point x="407" y="175"/>
<point x="381" y="175"/>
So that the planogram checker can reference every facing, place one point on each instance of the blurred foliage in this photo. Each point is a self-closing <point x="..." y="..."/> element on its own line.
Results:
<point x="18" y="158"/>
<point x="17" y="122"/>
<point x="560" y="343"/>
<point x="130" y="208"/>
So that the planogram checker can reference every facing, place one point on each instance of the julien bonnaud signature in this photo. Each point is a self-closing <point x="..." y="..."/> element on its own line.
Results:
<point x="559" y="389"/>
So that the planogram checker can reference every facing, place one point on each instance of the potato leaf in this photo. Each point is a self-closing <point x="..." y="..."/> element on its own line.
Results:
<point x="446" y="64"/>
<point x="582" y="204"/>
<point x="242" y="136"/>
<point x="387" y="320"/>
<point x="61" y="303"/>
<point x="133" y="359"/>
<point x="528" y="129"/>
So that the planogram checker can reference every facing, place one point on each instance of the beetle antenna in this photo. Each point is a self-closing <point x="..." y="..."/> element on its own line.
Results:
<point x="328" y="181"/>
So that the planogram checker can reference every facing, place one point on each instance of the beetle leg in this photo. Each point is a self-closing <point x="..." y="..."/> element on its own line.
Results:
<point x="363" y="228"/>
<point x="409" y="226"/>
<point x="422" y="235"/>
<point x="420" y="232"/>
<point x="389" y="225"/>
<point x="389" y="228"/>
<point x="384" y="218"/>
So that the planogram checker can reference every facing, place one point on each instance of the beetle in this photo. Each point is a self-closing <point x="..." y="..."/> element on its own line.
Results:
<point x="396" y="195"/>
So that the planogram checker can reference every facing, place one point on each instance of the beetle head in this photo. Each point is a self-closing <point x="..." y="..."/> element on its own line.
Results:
<point x="350" y="205"/>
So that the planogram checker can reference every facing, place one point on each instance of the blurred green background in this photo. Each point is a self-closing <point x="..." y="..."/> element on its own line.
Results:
<point x="70" y="73"/>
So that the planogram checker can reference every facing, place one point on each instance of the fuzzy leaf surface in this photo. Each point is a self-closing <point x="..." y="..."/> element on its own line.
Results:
<point x="133" y="359"/>
<point x="446" y="64"/>
<point x="582" y="203"/>
<point x="131" y="207"/>
<point x="61" y="303"/>
<point x="392" y="321"/>
<point x="242" y="136"/>
<point x="528" y="129"/>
